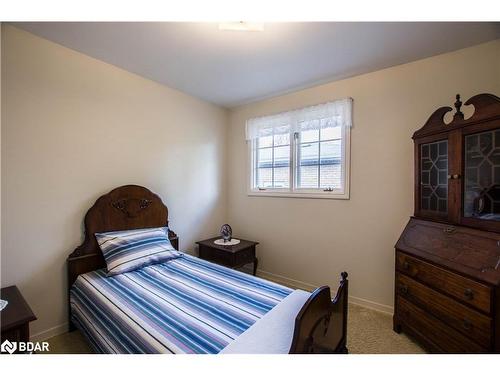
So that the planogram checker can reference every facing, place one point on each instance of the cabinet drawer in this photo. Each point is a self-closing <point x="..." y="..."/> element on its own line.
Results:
<point x="466" y="290"/>
<point x="471" y="323"/>
<point x="439" y="334"/>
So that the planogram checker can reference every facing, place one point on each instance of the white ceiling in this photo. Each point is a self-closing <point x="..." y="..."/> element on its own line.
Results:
<point x="230" y="68"/>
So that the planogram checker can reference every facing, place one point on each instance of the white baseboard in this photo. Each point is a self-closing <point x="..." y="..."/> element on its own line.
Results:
<point x="386" y="309"/>
<point x="48" y="333"/>
<point x="292" y="283"/>
<point x="297" y="284"/>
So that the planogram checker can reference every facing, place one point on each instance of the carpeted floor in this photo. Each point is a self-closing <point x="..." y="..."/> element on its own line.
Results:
<point x="369" y="331"/>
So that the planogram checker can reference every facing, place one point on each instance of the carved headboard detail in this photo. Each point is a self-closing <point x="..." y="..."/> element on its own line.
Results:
<point x="126" y="207"/>
<point x="132" y="207"/>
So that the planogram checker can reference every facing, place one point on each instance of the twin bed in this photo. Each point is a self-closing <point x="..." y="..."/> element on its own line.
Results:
<point x="188" y="305"/>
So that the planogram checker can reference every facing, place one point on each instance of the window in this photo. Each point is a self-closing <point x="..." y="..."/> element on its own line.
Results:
<point x="272" y="157"/>
<point x="301" y="153"/>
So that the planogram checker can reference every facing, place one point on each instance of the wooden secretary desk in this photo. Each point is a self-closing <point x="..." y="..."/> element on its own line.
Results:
<point x="447" y="269"/>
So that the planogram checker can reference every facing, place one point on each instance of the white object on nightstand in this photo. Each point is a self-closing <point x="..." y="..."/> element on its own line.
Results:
<point x="221" y="242"/>
<point x="3" y="304"/>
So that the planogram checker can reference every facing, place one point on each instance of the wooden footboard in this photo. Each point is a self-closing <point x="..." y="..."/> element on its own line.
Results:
<point x="321" y="324"/>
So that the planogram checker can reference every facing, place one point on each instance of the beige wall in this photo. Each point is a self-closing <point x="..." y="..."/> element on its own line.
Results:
<point x="72" y="129"/>
<point x="313" y="240"/>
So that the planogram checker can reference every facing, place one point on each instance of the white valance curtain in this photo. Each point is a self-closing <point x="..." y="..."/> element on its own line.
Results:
<point x="332" y="114"/>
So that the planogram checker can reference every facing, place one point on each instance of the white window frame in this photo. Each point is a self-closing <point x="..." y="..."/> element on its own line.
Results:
<point x="294" y="191"/>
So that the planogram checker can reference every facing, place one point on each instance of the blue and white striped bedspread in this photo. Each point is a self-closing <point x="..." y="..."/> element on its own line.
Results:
<point x="186" y="305"/>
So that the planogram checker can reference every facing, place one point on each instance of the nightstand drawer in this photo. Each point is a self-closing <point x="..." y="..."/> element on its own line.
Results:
<point x="20" y="333"/>
<point x="215" y="255"/>
<point x="245" y="256"/>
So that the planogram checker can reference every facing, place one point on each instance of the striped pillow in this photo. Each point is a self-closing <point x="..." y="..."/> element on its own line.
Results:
<point x="129" y="250"/>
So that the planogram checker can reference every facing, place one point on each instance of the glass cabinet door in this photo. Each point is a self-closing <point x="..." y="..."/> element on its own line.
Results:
<point x="482" y="176"/>
<point x="434" y="177"/>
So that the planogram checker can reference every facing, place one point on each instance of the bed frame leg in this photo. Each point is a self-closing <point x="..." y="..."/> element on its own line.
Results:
<point x="396" y="327"/>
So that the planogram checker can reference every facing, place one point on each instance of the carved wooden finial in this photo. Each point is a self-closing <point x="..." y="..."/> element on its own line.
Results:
<point x="458" y="114"/>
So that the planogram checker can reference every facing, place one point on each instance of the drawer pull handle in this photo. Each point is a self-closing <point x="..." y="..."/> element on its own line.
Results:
<point x="469" y="294"/>
<point x="406" y="266"/>
<point x="449" y="230"/>
<point x="403" y="289"/>
<point x="467" y="324"/>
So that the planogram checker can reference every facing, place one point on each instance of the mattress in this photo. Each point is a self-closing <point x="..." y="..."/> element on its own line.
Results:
<point x="186" y="305"/>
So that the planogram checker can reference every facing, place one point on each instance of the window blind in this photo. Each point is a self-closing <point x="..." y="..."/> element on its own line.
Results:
<point x="332" y="114"/>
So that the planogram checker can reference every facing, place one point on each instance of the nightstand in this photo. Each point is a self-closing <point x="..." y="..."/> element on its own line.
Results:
<point x="16" y="316"/>
<point x="234" y="256"/>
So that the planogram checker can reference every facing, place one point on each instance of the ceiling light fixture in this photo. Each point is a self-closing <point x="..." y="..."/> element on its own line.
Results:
<point x="241" y="26"/>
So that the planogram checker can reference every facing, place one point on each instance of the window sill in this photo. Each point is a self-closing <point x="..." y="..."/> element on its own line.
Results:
<point x="280" y="194"/>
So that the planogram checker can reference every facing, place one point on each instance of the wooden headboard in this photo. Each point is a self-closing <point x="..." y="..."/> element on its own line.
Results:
<point x="123" y="208"/>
